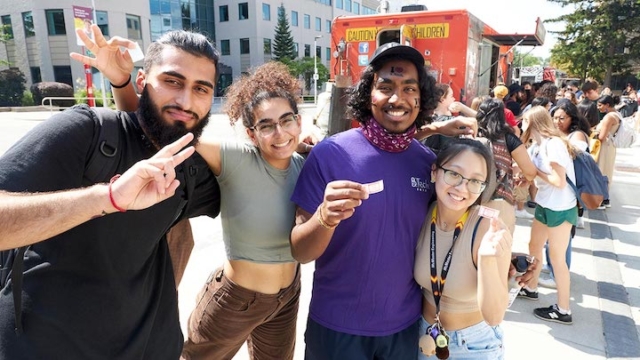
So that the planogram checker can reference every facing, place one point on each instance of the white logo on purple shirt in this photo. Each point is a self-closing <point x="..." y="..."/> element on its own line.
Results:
<point x="420" y="184"/>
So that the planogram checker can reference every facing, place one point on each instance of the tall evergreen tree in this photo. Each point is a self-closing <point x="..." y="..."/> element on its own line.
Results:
<point x="601" y="38"/>
<point x="284" y="49"/>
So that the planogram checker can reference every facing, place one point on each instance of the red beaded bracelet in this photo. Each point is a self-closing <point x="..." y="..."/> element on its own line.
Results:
<point x="113" y="202"/>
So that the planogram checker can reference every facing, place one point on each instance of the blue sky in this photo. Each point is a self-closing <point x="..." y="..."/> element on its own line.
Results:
<point x="505" y="16"/>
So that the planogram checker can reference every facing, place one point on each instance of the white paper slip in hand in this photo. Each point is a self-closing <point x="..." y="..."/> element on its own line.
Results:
<point x="374" y="187"/>
<point x="488" y="213"/>
<point x="136" y="53"/>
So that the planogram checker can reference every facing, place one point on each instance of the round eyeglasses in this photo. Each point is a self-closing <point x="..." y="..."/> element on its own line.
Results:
<point x="454" y="179"/>
<point x="287" y="123"/>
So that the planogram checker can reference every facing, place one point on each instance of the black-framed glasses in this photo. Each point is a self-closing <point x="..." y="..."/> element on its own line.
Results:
<point x="287" y="123"/>
<point x="454" y="179"/>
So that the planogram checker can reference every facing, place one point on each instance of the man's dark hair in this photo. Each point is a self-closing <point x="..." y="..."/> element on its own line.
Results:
<point x="193" y="43"/>
<point x="360" y="95"/>
<point x="590" y="84"/>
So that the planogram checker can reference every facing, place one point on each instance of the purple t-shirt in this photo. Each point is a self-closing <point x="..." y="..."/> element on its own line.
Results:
<point x="363" y="283"/>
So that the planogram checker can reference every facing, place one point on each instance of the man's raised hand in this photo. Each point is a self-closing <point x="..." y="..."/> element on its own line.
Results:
<point x="151" y="181"/>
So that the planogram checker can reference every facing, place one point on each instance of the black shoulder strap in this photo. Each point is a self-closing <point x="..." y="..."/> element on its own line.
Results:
<point x="103" y="161"/>
<point x="473" y="238"/>
<point x="101" y="166"/>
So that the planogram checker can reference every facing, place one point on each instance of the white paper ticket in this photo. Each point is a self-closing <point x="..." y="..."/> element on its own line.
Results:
<point x="374" y="187"/>
<point x="488" y="213"/>
<point x="136" y="53"/>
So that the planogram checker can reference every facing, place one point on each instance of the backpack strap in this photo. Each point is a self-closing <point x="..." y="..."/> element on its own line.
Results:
<point x="104" y="157"/>
<point x="17" y="271"/>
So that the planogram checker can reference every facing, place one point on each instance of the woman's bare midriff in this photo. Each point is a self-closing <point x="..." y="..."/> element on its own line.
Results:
<point x="263" y="278"/>
<point x="451" y="321"/>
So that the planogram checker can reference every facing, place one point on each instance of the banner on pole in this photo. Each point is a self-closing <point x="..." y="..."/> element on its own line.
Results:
<point x="82" y="19"/>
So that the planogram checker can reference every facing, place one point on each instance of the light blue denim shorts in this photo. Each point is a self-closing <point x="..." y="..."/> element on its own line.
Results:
<point x="477" y="342"/>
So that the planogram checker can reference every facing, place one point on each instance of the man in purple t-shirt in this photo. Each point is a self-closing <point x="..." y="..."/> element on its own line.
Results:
<point x="361" y="199"/>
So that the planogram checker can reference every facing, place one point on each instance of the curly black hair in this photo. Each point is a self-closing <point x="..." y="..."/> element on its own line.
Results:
<point x="578" y="122"/>
<point x="360" y="94"/>
<point x="267" y="81"/>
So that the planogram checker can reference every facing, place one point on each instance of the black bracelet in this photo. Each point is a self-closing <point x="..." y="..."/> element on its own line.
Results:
<point x="121" y="86"/>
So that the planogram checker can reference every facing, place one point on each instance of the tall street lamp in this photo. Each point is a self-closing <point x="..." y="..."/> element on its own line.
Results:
<point x="315" y="69"/>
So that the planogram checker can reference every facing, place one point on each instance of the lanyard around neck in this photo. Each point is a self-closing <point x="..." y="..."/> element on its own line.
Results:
<point x="438" y="286"/>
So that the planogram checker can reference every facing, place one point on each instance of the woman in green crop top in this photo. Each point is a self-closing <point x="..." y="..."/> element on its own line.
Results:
<point x="254" y="296"/>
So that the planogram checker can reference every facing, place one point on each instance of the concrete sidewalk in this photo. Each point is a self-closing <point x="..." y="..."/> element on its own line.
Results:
<point x="605" y="278"/>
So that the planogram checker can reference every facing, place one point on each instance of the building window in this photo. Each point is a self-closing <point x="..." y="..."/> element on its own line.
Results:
<point x="133" y="27"/>
<point x="27" y="21"/>
<point x="225" y="47"/>
<point x="307" y="21"/>
<point x="318" y="24"/>
<point x="327" y="25"/>
<point x="294" y="18"/>
<point x="347" y="5"/>
<point x="55" y="22"/>
<point x="62" y="74"/>
<point x="339" y="4"/>
<point x="319" y="52"/>
<point x="327" y="53"/>
<point x="356" y="8"/>
<point x="267" y="46"/>
<point x="266" y="12"/>
<point x="224" y="13"/>
<point x="307" y="50"/>
<point x="244" y="46"/>
<point x="297" y="47"/>
<point x="243" y="11"/>
<point x="103" y="22"/>
<point x="36" y="77"/>
<point x="7" y="29"/>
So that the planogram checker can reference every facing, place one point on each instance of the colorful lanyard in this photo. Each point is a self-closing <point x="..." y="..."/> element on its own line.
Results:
<point x="438" y="287"/>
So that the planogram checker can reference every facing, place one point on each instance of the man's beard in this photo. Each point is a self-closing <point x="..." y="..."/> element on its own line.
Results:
<point x="162" y="133"/>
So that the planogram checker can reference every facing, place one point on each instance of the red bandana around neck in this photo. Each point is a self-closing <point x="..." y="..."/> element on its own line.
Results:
<point x="382" y="139"/>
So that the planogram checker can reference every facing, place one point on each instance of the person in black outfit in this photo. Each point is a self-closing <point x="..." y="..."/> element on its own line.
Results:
<point x="101" y="285"/>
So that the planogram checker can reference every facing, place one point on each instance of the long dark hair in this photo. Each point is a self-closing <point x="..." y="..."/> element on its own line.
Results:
<point x="360" y="95"/>
<point x="578" y="122"/>
<point x="491" y="120"/>
<point x="589" y="110"/>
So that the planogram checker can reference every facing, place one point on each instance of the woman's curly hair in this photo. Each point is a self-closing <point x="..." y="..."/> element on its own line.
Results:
<point x="360" y="95"/>
<point x="268" y="81"/>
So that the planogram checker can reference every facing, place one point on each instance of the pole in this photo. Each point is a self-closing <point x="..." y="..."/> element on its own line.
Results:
<point x="102" y="87"/>
<point x="315" y="71"/>
<point x="87" y="74"/>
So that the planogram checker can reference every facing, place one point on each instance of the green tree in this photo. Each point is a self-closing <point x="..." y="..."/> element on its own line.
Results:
<point x="283" y="47"/>
<point x="526" y="59"/>
<point x="600" y="39"/>
<point x="304" y="68"/>
<point x="13" y="87"/>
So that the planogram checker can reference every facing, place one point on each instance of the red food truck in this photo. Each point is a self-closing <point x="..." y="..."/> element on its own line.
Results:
<point x="458" y="48"/>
